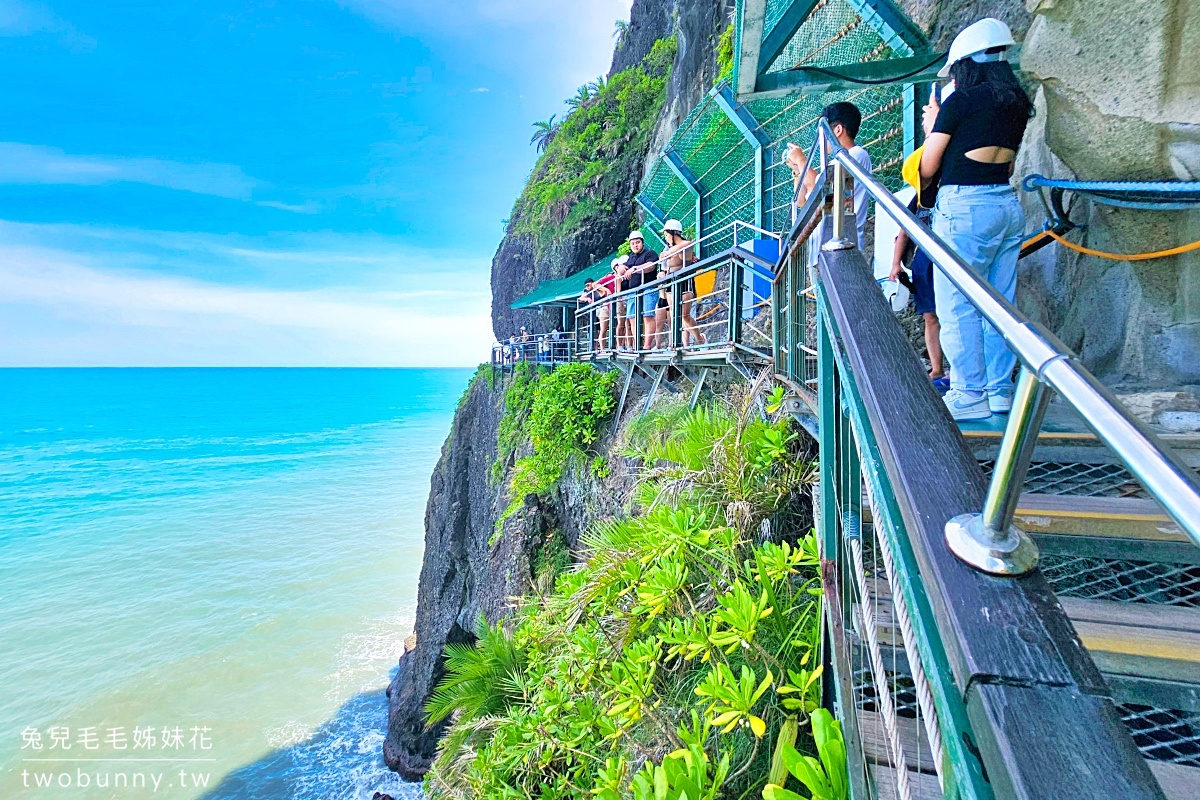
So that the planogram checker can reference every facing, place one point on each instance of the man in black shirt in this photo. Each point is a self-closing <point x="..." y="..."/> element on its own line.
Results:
<point x="643" y="268"/>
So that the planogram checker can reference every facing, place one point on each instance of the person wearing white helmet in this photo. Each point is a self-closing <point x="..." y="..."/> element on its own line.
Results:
<point x="972" y="139"/>
<point x="679" y="254"/>
<point x="643" y="268"/>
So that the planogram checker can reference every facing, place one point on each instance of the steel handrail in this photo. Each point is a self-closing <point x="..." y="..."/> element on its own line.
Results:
<point x="1046" y="361"/>
<point x="683" y="272"/>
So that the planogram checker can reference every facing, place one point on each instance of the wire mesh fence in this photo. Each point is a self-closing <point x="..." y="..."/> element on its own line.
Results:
<point x="722" y="161"/>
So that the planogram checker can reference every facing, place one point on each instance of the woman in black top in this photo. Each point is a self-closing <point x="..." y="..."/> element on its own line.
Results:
<point x="973" y="138"/>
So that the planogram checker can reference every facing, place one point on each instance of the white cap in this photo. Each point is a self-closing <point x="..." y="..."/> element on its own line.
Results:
<point x="974" y="39"/>
<point x="636" y="235"/>
<point x="673" y="226"/>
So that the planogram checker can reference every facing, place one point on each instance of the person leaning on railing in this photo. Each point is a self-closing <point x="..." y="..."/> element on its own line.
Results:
<point x="607" y="285"/>
<point x="973" y="140"/>
<point x="643" y="266"/>
<point x="621" y="319"/>
<point x="679" y="254"/>
<point x="593" y="291"/>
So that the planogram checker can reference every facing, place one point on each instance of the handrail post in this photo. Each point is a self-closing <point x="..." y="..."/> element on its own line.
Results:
<point x="839" y="240"/>
<point x="612" y="326"/>
<point x="639" y="324"/>
<point x="736" y="290"/>
<point x="989" y="541"/>
<point x="676" y="337"/>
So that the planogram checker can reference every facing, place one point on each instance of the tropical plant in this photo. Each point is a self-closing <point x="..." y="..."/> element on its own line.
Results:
<point x="582" y="95"/>
<point x="560" y="415"/>
<point x="725" y="54"/>
<point x="481" y="678"/>
<point x="584" y="168"/>
<point x="620" y="31"/>
<point x="544" y="133"/>
<point x="676" y="660"/>
<point x="826" y="778"/>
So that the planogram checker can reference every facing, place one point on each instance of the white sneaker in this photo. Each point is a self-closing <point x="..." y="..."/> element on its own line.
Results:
<point x="964" y="407"/>
<point x="1000" y="401"/>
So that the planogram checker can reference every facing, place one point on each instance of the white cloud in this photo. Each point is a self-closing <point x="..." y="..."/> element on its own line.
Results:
<point x="480" y="90"/>
<point x="26" y="19"/>
<point x="562" y="43"/>
<point x="114" y="307"/>
<point x="31" y="163"/>
<point x="307" y="207"/>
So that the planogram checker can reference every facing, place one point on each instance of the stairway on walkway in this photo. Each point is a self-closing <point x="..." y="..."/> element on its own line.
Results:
<point x="1127" y="577"/>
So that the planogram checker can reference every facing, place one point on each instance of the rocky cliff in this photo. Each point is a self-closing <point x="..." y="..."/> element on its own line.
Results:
<point x="467" y="572"/>
<point x="526" y="257"/>
<point x="1114" y="101"/>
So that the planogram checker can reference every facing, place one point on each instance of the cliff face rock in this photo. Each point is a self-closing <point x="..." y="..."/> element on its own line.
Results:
<point x="1118" y="102"/>
<point x="458" y="520"/>
<point x="520" y="264"/>
<point x="470" y="570"/>
<point x="1117" y="92"/>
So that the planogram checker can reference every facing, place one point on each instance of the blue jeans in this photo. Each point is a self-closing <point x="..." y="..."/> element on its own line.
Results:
<point x="985" y="226"/>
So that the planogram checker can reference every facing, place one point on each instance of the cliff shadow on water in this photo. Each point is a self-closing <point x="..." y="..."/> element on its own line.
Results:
<point x="339" y="761"/>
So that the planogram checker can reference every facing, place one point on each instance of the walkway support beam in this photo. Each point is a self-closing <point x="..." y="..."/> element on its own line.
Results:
<point x="752" y="20"/>
<point x="776" y="40"/>
<point x="745" y="122"/>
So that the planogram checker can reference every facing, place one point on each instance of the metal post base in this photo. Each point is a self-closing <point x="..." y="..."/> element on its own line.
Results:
<point x="1013" y="553"/>
<point x="838" y="244"/>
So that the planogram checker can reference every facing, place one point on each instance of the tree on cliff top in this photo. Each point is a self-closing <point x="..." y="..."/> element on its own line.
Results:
<point x="600" y="143"/>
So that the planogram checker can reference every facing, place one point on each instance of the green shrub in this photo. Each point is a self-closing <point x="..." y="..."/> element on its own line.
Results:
<point x="603" y="138"/>
<point x="670" y="659"/>
<point x="725" y="54"/>
<point x="561" y="414"/>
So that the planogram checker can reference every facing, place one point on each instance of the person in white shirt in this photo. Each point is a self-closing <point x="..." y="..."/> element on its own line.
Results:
<point x="844" y="118"/>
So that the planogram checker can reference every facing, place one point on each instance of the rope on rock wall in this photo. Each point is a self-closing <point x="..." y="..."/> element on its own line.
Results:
<point x="1174" y="251"/>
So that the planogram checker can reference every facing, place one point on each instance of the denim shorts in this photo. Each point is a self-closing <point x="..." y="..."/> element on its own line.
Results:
<point x="649" y="304"/>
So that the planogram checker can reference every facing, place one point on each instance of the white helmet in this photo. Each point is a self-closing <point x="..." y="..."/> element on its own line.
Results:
<point x="636" y="235"/>
<point x="673" y="226"/>
<point x="615" y="262"/>
<point x="623" y="260"/>
<point x="976" y="38"/>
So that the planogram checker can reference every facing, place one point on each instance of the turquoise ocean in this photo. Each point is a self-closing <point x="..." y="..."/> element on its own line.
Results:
<point x="207" y="575"/>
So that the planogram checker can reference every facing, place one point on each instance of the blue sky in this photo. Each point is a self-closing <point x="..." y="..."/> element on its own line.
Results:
<point x="246" y="182"/>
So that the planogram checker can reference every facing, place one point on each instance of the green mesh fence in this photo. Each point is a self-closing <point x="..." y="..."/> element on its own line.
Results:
<point x="722" y="160"/>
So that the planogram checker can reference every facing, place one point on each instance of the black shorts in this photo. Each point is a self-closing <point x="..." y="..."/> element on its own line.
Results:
<point x="922" y="280"/>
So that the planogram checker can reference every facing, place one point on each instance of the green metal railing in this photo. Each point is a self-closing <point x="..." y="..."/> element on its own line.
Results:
<point x="950" y="674"/>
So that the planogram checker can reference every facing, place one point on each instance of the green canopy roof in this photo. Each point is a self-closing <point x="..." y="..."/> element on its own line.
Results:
<point x="565" y="290"/>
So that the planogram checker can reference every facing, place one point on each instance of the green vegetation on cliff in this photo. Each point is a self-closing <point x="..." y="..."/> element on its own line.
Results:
<point x="559" y="415"/>
<point x="590" y="154"/>
<point x="679" y="658"/>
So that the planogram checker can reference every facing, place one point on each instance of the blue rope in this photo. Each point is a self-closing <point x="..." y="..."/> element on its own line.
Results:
<point x="1142" y="195"/>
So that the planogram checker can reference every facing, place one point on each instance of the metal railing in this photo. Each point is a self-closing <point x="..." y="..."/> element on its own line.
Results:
<point x="1047" y="365"/>
<point x="723" y="303"/>
<point x="950" y="674"/>
<point x="543" y="349"/>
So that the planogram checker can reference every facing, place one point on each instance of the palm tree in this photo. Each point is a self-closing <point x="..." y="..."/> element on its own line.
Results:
<point x="582" y="95"/>
<point x="621" y="31"/>
<point x="544" y="133"/>
<point x="597" y="86"/>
